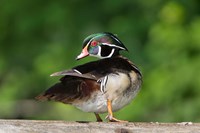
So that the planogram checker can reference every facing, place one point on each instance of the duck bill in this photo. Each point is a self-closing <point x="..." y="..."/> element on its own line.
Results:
<point x="83" y="54"/>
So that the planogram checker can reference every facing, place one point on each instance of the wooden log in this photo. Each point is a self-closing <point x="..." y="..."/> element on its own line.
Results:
<point x="39" y="126"/>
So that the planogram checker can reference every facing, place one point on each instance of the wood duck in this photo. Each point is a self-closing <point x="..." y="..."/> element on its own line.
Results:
<point x="106" y="85"/>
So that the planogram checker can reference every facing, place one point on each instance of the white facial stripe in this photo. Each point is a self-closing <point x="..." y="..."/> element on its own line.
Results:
<point x="112" y="52"/>
<point x="89" y="42"/>
<point x="99" y="52"/>
<point x="113" y="45"/>
<point x="77" y="71"/>
<point x="116" y="38"/>
<point x="98" y="55"/>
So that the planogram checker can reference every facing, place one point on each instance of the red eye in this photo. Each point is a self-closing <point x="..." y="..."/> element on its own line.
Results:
<point x="94" y="43"/>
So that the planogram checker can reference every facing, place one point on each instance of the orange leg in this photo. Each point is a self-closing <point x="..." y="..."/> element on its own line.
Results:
<point x="98" y="117"/>
<point x="110" y="113"/>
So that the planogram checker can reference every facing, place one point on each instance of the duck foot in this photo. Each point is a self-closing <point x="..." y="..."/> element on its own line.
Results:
<point x="98" y="117"/>
<point x="110" y="113"/>
<point x="113" y="119"/>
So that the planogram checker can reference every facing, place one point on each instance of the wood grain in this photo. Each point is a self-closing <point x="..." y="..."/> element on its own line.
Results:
<point x="39" y="126"/>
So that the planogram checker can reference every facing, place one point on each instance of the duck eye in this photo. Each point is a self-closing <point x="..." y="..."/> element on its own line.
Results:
<point x="94" y="43"/>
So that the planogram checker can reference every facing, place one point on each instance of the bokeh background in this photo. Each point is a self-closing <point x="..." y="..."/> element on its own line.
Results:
<point x="38" y="38"/>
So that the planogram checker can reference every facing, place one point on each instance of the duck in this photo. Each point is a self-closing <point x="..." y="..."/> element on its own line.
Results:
<point x="102" y="86"/>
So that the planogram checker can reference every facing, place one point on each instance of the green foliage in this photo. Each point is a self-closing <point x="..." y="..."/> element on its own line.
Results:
<point x="38" y="38"/>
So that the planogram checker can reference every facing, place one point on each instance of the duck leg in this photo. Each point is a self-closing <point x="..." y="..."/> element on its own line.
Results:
<point x="110" y="113"/>
<point x="98" y="117"/>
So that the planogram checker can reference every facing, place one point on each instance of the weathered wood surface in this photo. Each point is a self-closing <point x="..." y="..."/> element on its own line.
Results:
<point x="38" y="126"/>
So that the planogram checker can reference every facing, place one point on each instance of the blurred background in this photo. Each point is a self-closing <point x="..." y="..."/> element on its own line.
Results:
<point x="38" y="38"/>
